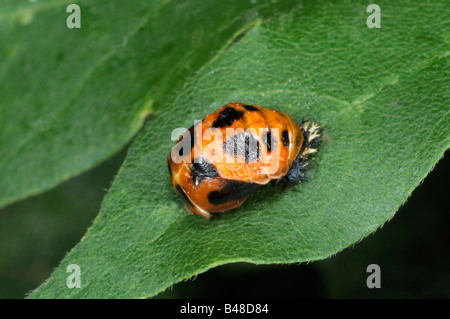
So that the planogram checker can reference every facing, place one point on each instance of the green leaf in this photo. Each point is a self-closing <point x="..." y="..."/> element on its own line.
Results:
<point x="70" y="98"/>
<point x="381" y="96"/>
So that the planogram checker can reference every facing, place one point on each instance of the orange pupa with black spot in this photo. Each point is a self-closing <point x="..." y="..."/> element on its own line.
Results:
<point x="218" y="162"/>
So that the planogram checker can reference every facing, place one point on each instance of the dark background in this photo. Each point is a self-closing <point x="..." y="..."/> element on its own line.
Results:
<point x="412" y="250"/>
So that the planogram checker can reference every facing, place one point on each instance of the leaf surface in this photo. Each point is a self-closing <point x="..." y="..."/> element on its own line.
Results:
<point x="381" y="96"/>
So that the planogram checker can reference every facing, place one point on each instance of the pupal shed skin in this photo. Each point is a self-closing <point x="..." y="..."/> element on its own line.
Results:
<point x="266" y="146"/>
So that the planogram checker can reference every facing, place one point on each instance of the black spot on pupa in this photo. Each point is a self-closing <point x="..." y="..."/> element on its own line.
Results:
<point x="243" y="145"/>
<point x="191" y="131"/>
<point x="227" y="117"/>
<point x="285" y="138"/>
<point x="201" y="169"/>
<point x="297" y="140"/>
<point x="192" y="137"/>
<point x="180" y="151"/>
<point x="186" y="201"/>
<point x="267" y="139"/>
<point x="231" y="191"/>
<point x="250" y="108"/>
